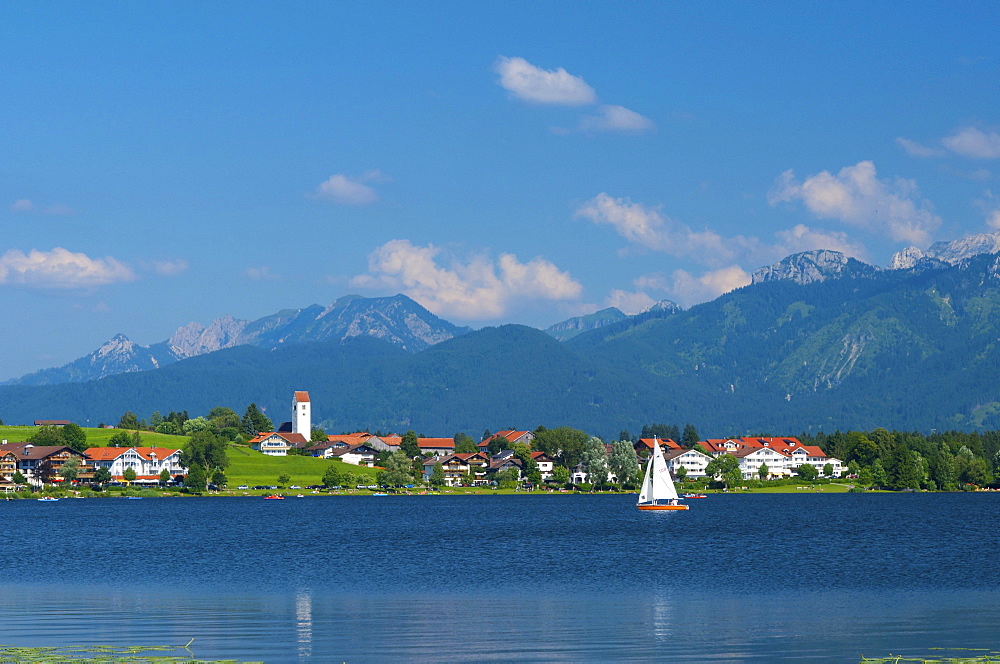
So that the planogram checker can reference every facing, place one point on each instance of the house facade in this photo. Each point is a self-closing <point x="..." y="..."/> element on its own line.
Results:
<point x="42" y="463"/>
<point x="146" y="462"/>
<point x="693" y="462"/>
<point x="277" y="443"/>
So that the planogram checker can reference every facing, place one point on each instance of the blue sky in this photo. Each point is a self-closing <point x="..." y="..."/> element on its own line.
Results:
<point x="162" y="163"/>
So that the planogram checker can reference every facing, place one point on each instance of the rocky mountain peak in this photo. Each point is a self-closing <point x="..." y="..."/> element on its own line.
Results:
<point x="196" y="339"/>
<point x="663" y="305"/>
<point x="808" y="267"/>
<point x="946" y="253"/>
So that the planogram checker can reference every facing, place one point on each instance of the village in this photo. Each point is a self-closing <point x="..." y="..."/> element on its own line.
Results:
<point x="508" y="453"/>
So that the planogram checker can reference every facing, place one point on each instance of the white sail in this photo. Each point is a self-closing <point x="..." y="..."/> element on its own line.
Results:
<point x="657" y="483"/>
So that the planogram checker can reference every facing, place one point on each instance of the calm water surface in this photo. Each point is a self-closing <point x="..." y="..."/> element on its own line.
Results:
<point x="551" y="578"/>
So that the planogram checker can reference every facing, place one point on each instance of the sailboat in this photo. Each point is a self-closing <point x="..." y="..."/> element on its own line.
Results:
<point x="658" y="491"/>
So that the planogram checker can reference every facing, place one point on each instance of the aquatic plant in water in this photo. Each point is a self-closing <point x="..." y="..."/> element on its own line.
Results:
<point x="988" y="656"/>
<point x="104" y="654"/>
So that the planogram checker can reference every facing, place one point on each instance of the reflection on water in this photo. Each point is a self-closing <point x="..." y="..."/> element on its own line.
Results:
<point x="303" y="622"/>
<point x="533" y="579"/>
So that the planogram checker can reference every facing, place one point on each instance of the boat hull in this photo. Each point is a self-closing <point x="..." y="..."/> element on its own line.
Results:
<point x="662" y="507"/>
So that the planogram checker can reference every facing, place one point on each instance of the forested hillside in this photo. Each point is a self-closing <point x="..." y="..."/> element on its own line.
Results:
<point x="903" y="349"/>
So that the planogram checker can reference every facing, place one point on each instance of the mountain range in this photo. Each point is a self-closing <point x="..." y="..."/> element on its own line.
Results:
<point x="818" y="341"/>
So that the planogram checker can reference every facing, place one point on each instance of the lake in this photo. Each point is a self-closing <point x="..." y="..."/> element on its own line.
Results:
<point x="498" y="578"/>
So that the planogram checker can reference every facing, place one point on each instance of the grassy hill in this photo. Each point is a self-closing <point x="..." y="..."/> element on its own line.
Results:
<point x="253" y="468"/>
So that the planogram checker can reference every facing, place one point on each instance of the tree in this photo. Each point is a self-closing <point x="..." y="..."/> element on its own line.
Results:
<point x="564" y="444"/>
<point x="164" y="477"/>
<point x="47" y="435"/>
<point x="408" y="445"/>
<point x="332" y="476"/>
<point x="168" y="428"/>
<point x="437" y="475"/>
<point x="254" y="421"/>
<point x="625" y="435"/>
<point x="560" y="474"/>
<point x="18" y="478"/>
<point x="595" y="461"/>
<point x="690" y="436"/>
<point x="70" y="469"/>
<point x="508" y="479"/>
<point x="623" y="462"/>
<point x="807" y="472"/>
<point x="120" y="439"/>
<point x="827" y="469"/>
<point x="219" y="478"/>
<point x="129" y="474"/>
<point x="498" y="444"/>
<point x="195" y="481"/>
<point x="763" y="471"/>
<point x="102" y="475"/>
<point x="75" y="436"/>
<point x="522" y="452"/>
<point x="206" y="450"/>
<point x="317" y="435"/>
<point x="879" y="477"/>
<point x="195" y="425"/>
<point x="128" y="421"/>
<point x="397" y="470"/>
<point x="284" y="479"/>
<point x="725" y="467"/>
<point x="464" y="444"/>
<point x="222" y="417"/>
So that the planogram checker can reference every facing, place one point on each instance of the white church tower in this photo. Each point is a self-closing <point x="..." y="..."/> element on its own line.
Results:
<point x="302" y="414"/>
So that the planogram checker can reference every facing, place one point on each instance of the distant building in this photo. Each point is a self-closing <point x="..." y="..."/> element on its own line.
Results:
<point x="302" y="414"/>
<point x="296" y="433"/>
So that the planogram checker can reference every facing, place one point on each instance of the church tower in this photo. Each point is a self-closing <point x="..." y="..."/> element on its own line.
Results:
<point x="302" y="414"/>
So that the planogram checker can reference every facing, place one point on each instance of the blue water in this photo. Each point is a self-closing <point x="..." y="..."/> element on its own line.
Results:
<point x="499" y="578"/>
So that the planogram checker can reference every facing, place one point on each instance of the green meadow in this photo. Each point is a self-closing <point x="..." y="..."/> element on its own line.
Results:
<point x="96" y="437"/>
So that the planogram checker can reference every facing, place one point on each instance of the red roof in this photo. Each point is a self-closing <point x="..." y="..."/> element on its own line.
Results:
<point x="302" y="397"/>
<point x="435" y="443"/>
<point x="291" y="438"/>
<point x="664" y="442"/>
<point x="112" y="453"/>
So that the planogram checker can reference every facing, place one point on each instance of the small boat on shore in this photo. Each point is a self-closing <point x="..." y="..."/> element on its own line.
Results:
<point x="694" y="495"/>
<point x="47" y="499"/>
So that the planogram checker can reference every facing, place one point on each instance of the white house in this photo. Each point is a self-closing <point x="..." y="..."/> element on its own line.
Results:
<point x="276" y="443"/>
<point x="693" y="461"/>
<point x="356" y="455"/>
<point x="147" y="462"/>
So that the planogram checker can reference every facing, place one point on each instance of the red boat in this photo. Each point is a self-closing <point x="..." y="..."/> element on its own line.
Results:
<point x="274" y="497"/>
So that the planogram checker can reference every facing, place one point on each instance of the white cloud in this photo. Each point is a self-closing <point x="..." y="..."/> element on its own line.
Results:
<point x="916" y="149"/>
<point x="803" y="238"/>
<point x="170" y="268"/>
<point x="971" y="142"/>
<point x="60" y="268"/>
<point x="27" y="205"/>
<point x="340" y="188"/>
<point x="856" y="196"/>
<point x="688" y="289"/>
<point x="616" y="118"/>
<point x="530" y="83"/>
<point x="478" y="289"/>
<point x="993" y="220"/>
<point x="262" y="273"/>
<point x="633" y="302"/>
<point x="648" y="228"/>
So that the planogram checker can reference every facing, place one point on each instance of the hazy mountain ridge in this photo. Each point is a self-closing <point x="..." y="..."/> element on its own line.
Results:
<point x="567" y="329"/>
<point x="397" y="320"/>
